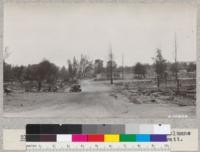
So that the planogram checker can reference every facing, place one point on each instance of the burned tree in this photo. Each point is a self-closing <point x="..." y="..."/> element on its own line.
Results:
<point x="98" y="66"/>
<point x="110" y="64"/>
<point x="72" y="69"/>
<point x="140" y="70"/>
<point x="160" y="66"/>
<point x="63" y="74"/>
<point x="84" y="66"/>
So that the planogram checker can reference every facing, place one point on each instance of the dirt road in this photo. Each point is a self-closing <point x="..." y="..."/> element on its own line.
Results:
<point x="95" y="101"/>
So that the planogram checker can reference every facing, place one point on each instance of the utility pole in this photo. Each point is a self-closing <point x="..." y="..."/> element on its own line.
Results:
<point x="122" y="66"/>
<point x="111" y="64"/>
<point x="176" y="66"/>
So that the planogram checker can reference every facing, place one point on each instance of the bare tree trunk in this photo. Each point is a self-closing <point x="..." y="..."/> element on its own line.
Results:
<point x="111" y="73"/>
<point x="111" y="65"/>
<point x="177" y="83"/>
<point x="158" y="81"/>
<point x="39" y="85"/>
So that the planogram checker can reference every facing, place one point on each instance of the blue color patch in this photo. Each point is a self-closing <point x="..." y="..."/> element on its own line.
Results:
<point x="142" y="138"/>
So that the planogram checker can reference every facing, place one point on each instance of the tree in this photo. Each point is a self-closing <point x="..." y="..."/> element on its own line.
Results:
<point x="160" y="66"/>
<point x="85" y="66"/>
<point x="7" y="68"/>
<point x="110" y="64"/>
<point x="7" y="72"/>
<point x="63" y="74"/>
<point x="30" y="72"/>
<point x="174" y="69"/>
<point x="19" y="73"/>
<point x="98" y="66"/>
<point x="191" y="67"/>
<point x="52" y="76"/>
<point x="79" y="69"/>
<point x="75" y="67"/>
<point x="46" y="70"/>
<point x="72" y="68"/>
<point x="140" y="70"/>
<point x="111" y="67"/>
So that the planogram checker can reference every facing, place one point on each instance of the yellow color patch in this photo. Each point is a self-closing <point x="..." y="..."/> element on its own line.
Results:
<point x="111" y="138"/>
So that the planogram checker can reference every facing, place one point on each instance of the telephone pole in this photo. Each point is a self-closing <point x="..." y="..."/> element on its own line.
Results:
<point x="122" y="66"/>
<point x="111" y="63"/>
<point x="176" y="65"/>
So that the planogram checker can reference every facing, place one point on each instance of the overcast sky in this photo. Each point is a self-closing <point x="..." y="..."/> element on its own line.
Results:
<point x="58" y="31"/>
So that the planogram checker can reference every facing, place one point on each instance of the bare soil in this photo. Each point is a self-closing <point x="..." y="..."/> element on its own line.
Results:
<point x="97" y="100"/>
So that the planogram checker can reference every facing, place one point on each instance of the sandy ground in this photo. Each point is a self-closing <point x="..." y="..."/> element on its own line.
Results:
<point x="95" y="101"/>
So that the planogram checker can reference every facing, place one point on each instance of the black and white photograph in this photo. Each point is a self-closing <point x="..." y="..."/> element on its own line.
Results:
<point x="99" y="60"/>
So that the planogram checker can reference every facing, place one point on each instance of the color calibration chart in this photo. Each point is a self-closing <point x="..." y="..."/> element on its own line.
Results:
<point x="97" y="137"/>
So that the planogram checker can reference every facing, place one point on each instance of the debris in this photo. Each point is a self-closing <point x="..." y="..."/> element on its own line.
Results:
<point x="133" y="99"/>
<point x="113" y="95"/>
<point x="139" y="93"/>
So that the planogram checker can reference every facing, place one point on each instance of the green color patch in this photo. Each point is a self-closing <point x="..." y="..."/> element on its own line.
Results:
<point x="127" y="138"/>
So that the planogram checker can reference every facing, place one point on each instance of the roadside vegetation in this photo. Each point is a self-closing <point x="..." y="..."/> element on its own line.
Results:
<point x="160" y="82"/>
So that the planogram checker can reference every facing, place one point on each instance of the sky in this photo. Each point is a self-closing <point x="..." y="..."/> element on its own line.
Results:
<point x="60" y="31"/>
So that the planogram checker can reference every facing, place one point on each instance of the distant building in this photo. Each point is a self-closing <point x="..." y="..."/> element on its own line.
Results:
<point x="106" y="76"/>
<point x="127" y="76"/>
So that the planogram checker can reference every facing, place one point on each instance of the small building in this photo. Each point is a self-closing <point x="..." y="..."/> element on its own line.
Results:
<point x="126" y="76"/>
